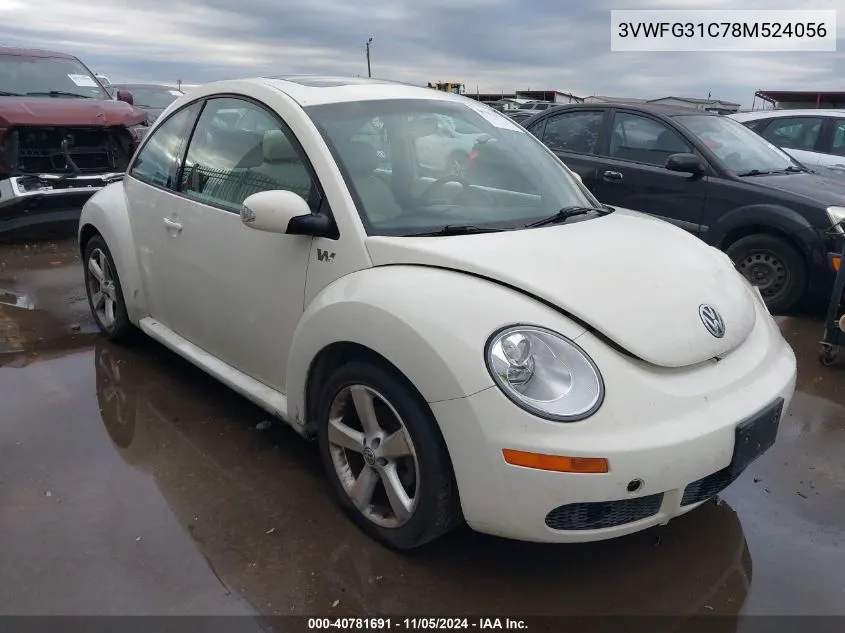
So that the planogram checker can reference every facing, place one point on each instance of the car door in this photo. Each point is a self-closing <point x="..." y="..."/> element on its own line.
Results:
<point x="246" y="290"/>
<point x="150" y="200"/>
<point x="573" y="136"/>
<point x="631" y="172"/>
<point x="799" y="136"/>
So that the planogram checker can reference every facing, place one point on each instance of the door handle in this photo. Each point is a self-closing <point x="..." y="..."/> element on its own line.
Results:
<point x="172" y="225"/>
<point x="612" y="175"/>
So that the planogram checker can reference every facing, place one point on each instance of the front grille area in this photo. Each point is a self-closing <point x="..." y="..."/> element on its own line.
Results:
<point x="92" y="149"/>
<point x="707" y="487"/>
<point x="605" y="514"/>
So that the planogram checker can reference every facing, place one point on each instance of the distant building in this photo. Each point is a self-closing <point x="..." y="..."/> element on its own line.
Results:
<point x="710" y="105"/>
<point x="521" y="96"/>
<point x="602" y="99"/>
<point x="799" y="100"/>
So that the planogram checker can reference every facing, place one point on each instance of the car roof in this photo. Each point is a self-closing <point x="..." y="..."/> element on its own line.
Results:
<point x="767" y="114"/>
<point x="654" y="108"/>
<point x="130" y="86"/>
<point x="32" y="52"/>
<point x="308" y="90"/>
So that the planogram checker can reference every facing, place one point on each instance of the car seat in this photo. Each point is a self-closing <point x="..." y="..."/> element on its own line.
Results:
<point x="361" y="161"/>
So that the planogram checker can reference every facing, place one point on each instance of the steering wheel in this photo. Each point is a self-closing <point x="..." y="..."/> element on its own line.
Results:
<point x="437" y="184"/>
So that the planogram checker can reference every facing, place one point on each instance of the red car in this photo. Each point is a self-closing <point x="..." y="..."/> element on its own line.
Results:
<point x="62" y="137"/>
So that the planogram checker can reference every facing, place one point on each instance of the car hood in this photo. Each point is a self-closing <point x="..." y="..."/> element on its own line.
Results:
<point x="827" y="189"/>
<point x="639" y="281"/>
<point x="83" y="112"/>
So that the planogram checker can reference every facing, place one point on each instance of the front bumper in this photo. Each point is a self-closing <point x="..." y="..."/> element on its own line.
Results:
<point x="26" y="201"/>
<point x="672" y="431"/>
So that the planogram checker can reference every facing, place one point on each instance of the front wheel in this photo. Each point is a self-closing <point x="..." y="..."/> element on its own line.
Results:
<point x="385" y="458"/>
<point x="774" y="266"/>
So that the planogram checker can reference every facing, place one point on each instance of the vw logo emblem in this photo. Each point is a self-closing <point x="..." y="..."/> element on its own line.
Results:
<point x="712" y="320"/>
<point x="369" y="456"/>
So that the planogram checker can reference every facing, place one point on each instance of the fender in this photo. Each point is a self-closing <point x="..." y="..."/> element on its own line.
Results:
<point x="106" y="213"/>
<point x="775" y="216"/>
<point x="430" y="323"/>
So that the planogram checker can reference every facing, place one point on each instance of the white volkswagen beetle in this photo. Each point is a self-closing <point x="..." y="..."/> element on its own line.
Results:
<point x="510" y="354"/>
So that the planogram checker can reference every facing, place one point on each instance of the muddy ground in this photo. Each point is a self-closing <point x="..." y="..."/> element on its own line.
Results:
<point x="131" y="483"/>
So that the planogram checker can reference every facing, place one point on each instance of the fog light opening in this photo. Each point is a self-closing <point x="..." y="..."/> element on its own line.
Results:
<point x="635" y="484"/>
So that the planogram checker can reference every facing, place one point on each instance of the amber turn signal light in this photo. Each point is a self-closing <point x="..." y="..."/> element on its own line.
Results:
<point x="556" y="463"/>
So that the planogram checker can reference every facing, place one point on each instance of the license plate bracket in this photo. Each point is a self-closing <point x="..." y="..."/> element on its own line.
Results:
<point x="755" y="436"/>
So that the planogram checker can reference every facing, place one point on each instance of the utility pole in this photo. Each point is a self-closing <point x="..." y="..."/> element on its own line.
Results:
<point x="369" y="72"/>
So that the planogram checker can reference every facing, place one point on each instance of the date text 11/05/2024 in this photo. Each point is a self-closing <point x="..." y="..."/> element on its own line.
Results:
<point x="415" y="624"/>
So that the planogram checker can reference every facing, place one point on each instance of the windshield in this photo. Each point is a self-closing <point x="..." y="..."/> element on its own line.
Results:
<point x="152" y="96"/>
<point x="56" y="77"/>
<point x="740" y="149"/>
<point x="417" y="166"/>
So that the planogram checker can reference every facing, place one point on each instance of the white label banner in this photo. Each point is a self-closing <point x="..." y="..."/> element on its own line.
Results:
<point x="688" y="30"/>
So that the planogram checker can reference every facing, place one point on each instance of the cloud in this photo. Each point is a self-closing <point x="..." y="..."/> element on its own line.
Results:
<point x="494" y="45"/>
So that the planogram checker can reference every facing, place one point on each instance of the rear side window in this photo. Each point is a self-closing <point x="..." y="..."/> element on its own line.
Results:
<point x="573" y="132"/>
<point x="794" y="132"/>
<point x="156" y="162"/>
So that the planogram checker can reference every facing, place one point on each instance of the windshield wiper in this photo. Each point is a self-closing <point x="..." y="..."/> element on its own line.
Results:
<point x="458" y="229"/>
<point x="564" y="214"/>
<point x="754" y="172"/>
<point x="57" y="93"/>
<point x="4" y="93"/>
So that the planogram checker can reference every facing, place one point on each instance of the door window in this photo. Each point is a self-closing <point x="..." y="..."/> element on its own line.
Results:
<point x="238" y="149"/>
<point x="838" y="146"/>
<point x="573" y="132"/>
<point x="645" y="140"/>
<point x="156" y="162"/>
<point x="794" y="132"/>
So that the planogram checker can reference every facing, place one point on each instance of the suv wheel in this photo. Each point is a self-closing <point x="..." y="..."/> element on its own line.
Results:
<point x="774" y="266"/>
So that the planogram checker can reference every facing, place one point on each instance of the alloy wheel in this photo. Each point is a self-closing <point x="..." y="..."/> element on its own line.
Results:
<point x="373" y="456"/>
<point x="102" y="288"/>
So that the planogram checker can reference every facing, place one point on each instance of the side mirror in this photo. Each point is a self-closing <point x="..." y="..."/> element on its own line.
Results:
<point x="273" y="210"/>
<point x="126" y="97"/>
<point x="685" y="163"/>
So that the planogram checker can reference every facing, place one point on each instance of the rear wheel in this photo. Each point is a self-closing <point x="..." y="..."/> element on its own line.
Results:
<point x="105" y="295"/>
<point x="384" y="457"/>
<point x="774" y="266"/>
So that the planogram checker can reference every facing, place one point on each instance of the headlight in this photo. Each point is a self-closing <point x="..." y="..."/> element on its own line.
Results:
<point x="837" y="216"/>
<point x="545" y="373"/>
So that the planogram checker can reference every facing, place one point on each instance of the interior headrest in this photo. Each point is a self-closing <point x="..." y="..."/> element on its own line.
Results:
<point x="277" y="146"/>
<point x="360" y="158"/>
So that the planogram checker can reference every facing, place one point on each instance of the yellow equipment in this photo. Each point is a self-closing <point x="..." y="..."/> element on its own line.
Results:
<point x="448" y="86"/>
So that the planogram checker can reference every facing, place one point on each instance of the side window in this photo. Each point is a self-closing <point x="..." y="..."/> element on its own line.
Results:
<point x="156" y="162"/>
<point x="794" y="132"/>
<point x="239" y="149"/>
<point x="644" y="140"/>
<point x="573" y="132"/>
<point x="838" y="146"/>
<point x="756" y="125"/>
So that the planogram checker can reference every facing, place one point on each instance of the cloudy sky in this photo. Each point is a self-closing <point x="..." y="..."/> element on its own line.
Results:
<point x="495" y="45"/>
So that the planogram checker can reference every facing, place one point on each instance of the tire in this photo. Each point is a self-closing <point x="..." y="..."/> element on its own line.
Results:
<point x="425" y="474"/>
<point x="117" y="329"/>
<point x="774" y="265"/>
